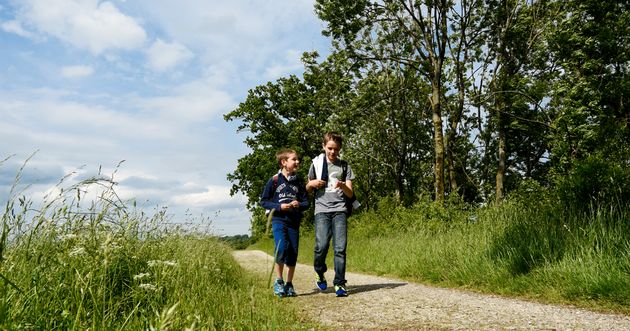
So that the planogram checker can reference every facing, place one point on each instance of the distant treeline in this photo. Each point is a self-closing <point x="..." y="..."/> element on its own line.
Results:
<point x="239" y="241"/>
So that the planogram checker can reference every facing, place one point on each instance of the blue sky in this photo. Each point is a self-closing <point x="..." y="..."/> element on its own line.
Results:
<point x="85" y="84"/>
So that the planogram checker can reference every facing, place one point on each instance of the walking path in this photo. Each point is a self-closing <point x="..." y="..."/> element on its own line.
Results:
<point x="377" y="303"/>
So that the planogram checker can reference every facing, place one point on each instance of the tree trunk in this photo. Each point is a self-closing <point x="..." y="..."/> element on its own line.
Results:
<point x="501" y="168"/>
<point x="439" y="141"/>
<point x="450" y="159"/>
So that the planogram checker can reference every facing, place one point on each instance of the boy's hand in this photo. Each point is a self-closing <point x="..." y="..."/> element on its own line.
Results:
<point x="292" y="204"/>
<point x="317" y="183"/>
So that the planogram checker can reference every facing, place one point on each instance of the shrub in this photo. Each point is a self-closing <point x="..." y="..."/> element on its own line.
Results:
<point x="594" y="183"/>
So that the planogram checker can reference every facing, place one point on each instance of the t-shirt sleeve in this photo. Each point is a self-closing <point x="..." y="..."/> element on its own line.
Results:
<point x="311" y="172"/>
<point x="350" y="174"/>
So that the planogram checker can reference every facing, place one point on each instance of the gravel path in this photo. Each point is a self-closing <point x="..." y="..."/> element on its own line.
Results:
<point x="377" y="303"/>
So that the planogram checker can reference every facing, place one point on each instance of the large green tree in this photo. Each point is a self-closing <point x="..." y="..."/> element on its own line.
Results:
<point x="512" y="96"/>
<point x="291" y="112"/>
<point x="465" y="51"/>
<point x="365" y="30"/>
<point x="590" y="45"/>
<point x="391" y="145"/>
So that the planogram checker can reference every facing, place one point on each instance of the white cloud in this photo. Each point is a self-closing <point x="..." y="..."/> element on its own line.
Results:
<point x="89" y="24"/>
<point x="194" y="102"/>
<point x="163" y="56"/>
<point x="51" y="120"/>
<point x="213" y="197"/>
<point x="77" y="71"/>
<point x="244" y="33"/>
<point x="168" y="128"/>
<point x="292" y="62"/>
<point x="17" y="28"/>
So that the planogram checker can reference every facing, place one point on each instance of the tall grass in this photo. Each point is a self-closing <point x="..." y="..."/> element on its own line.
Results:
<point x="74" y="263"/>
<point x="535" y="251"/>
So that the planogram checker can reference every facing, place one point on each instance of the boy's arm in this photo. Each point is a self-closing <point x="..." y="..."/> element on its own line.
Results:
<point x="303" y="198"/>
<point x="266" y="199"/>
<point x="346" y="187"/>
<point x="313" y="183"/>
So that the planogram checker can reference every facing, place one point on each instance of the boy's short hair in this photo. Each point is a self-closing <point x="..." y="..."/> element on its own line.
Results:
<point x="283" y="154"/>
<point x="334" y="136"/>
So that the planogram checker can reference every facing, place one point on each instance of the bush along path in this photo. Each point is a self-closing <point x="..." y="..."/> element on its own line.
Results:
<point x="377" y="303"/>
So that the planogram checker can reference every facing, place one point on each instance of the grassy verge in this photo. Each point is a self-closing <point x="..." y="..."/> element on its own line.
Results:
<point x="75" y="264"/>
<point x="534" y="252"/>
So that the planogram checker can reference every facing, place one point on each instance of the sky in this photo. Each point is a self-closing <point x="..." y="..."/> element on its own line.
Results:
<point x="88" y="84"/>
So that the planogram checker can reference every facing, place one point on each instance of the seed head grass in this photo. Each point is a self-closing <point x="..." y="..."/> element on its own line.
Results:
<point x="73" y="263"/>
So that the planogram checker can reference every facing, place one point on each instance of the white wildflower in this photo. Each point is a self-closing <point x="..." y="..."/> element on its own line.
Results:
<point x="67" y="236"/>
<point x="170" y="263"/>
<point x="153" y="263"/>
<point x="148" y="287"/>
<point x="141" y="275"/>
<point x="77" y="251"/>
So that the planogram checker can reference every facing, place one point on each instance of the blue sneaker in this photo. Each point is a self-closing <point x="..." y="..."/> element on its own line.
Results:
<point x="340" y="291"/>
<point x="289" y="290"/>
<point x="320" y="281"/>
<point x="278" y="288"/>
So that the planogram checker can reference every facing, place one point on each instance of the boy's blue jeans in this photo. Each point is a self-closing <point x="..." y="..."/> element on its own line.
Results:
<point x="287" y="240"/>
<point x="331" y="225"/>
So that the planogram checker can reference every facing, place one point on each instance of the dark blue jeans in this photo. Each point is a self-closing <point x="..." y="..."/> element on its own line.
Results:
<point x="287" y="240"/>
<point x="331" y="225"/>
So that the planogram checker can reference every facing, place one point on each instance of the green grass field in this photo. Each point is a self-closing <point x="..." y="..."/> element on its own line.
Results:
<point x="71" y="264"/>
<point x="531" y="252"/>
<point x="76" y="263"/>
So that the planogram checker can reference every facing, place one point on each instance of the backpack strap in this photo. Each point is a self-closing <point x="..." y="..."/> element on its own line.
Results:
<point x="269" y="213"/>
<point x="324" y="169"/>
<point x="344" y="170"/>
<point x="275" y="183"/>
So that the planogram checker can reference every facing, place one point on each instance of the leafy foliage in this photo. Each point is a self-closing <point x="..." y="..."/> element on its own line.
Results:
<point x="593" y="184"/>
<point x="290" y="113"/>
<point x="589" y="99"/>
<point x="528" y="91"/>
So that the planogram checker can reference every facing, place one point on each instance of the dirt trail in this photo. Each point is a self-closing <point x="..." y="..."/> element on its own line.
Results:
<point x="377" y="303"/>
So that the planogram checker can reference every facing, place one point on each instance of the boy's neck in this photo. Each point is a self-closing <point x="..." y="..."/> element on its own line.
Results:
<point x="286" y="173"/>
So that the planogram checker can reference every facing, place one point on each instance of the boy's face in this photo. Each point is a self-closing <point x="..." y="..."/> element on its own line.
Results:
<point x="331" y="149"/>
<point x="292" y="163"/>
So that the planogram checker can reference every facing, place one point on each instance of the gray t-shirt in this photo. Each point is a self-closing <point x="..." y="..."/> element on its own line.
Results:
<point x="330" y="199"/>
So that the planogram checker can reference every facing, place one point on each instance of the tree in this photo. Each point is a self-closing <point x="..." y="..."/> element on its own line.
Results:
<point x="364" y="29"/>
<point x="516" y="28"/>
<point x="590" y="46"/>
<point x="391" y="144"/>
<point x="290" y="112"/>
<point x="464" y="50"/>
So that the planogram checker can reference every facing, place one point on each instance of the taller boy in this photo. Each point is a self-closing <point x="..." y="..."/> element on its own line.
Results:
<point x="332" y="178"/>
